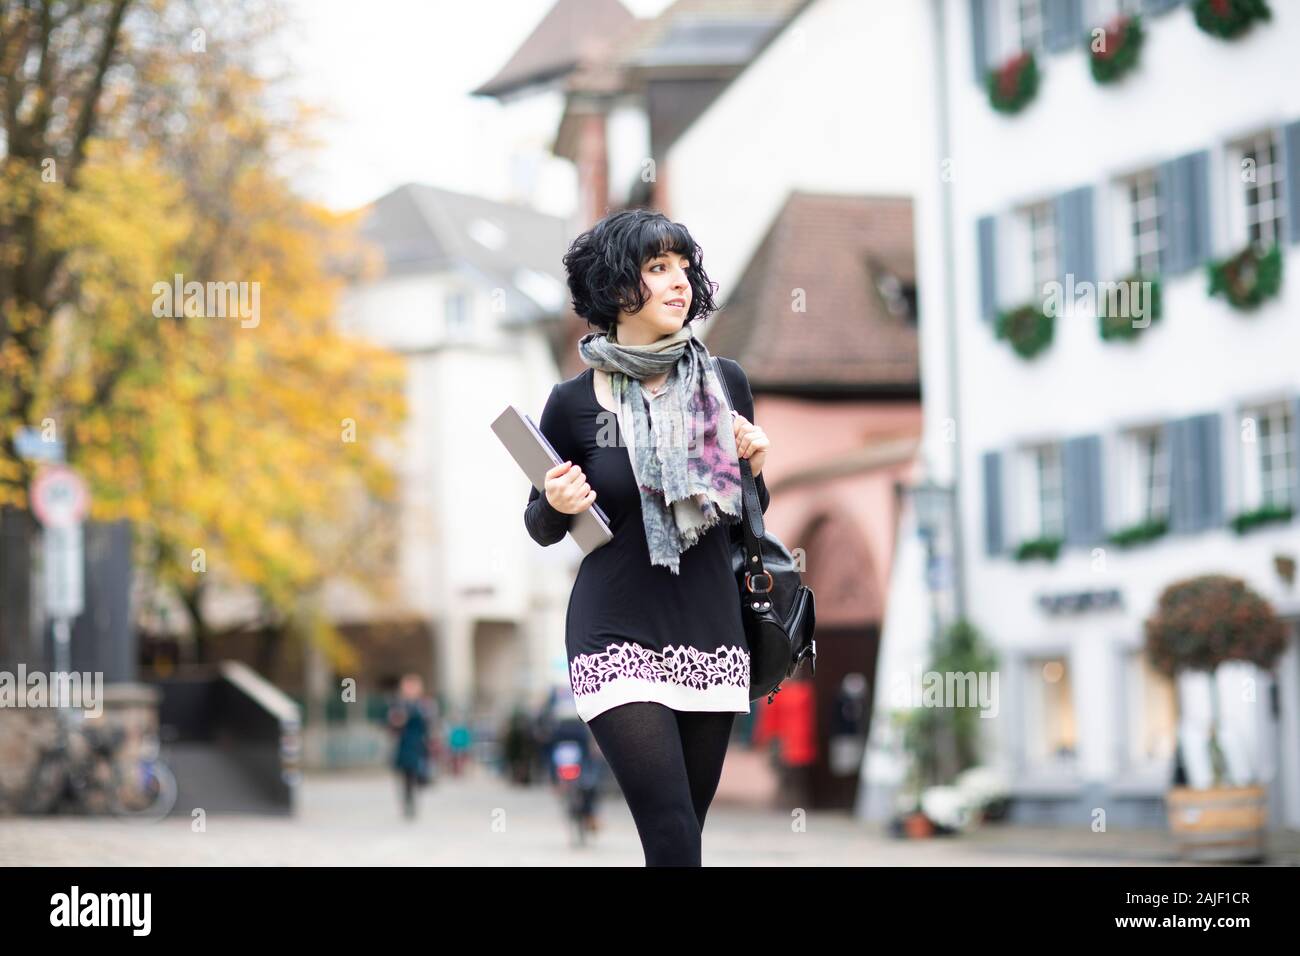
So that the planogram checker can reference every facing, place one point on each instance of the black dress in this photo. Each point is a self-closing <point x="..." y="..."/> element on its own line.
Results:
<point x="636" y="631"/>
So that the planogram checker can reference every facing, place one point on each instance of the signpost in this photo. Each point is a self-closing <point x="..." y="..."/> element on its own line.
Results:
<point x="33" y="446"/>
<point x="60" y="501"/>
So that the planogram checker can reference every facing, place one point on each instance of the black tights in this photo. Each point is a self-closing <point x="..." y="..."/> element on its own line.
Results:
<point x="667" y="763"/>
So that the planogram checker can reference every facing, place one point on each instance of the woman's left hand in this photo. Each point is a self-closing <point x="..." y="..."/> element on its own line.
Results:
<point x="751" y="442"/>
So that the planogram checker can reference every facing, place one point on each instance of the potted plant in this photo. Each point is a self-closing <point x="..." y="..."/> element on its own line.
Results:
<point x="1143" y="301"/>
<point x="1013" y="84"/>
<point x="1247" y="278"/>
<point x="1227" y="19"/>
<point x="1199" y="624"/>
<point x="1028" y="328"/>
<point x="1114" y="52"/>
<point x="1139" y="533"/>
<point x="1038" y="549"/>
<point x="943" y="742"/>
<point x="1263" y="515"/>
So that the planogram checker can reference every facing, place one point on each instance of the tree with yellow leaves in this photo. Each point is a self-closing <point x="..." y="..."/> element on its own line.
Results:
<point x="231" y="423"/>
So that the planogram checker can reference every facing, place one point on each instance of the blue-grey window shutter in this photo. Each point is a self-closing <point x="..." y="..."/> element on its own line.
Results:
<point x="1064" y="24"/>
<point x="1181" y="475"/>
<point x="1074" y="223"/>
<point x="1159" y="6"/>
<point x="993" y="536"/>
<point x="1081" y="461"/>
<point x="988" y="263"/>
<point x="1173" y="218"/>
<point x="1295" y="454"/>
<point x="979" y="38"/>
<point x="1291" y="178"/>
<point x="1195" y="473"/>
<point x="1211" y="456"/>
<point x="1184" y="186"/>
<point x="1198" y="197"/>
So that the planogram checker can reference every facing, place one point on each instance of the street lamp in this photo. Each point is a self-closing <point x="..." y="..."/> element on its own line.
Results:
<point x="934" y="505"/>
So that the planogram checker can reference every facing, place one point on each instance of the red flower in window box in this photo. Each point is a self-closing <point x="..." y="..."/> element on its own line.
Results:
<point x="1115" y="52"/>
<point x="1229" y="18"/>
<point x="1014" y="83"/>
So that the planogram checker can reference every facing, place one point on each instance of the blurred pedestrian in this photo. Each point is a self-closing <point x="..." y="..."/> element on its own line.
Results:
<point x="789" y="721"/>
<point x="459" y="740"/>
<point x="518" y="748"/>
<point x="411" y="718"/>
<point x="565" y="726"/>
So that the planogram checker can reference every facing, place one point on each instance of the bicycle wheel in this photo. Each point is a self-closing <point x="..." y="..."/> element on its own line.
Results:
<point x="8" y="803"/>
<point x="150" y="795"/>
<point x="44" y="789"/>
<point x="95" y="785"/>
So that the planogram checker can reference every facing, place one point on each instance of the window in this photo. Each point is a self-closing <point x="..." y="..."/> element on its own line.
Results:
<point x="1259" y="201"/>
<point x="1144" y="223"/>
<point x="897" y="293"/>
<point x="1051" y="496"/>
<point x="1019" y="26"/>
<point x="457" y="315"/>
<point x="1269" y="471"/>
<point x="1151" y="714"/>
<point x="1146" y="476"/>
<point x="1029" y="24"/>
<point x="1101" y="12"/>
<point x="1043" y="502"/>
<point x="1042" y="246"/>
<point x="1051" y="739"/>
<point x="1033" y="259"/>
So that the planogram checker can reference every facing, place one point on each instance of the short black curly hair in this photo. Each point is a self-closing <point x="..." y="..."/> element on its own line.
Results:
<point x="604" y="266"/>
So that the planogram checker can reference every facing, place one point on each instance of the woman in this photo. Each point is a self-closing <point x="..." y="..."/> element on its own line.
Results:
<point x="658" y="661"/>
<point x="411" y="719"/>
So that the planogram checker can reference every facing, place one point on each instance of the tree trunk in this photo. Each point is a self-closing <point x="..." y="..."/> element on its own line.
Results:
<point x="268" y="650"/>
<point x="192" y="599"/>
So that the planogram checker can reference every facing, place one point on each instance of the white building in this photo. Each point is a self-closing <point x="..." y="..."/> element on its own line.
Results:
<point x="470" y="295"/>
<point x="809" y="113"/>
<point x="1194" y="422"/>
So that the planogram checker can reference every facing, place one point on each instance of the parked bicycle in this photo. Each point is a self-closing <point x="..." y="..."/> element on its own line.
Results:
<point x="81" y="772"/>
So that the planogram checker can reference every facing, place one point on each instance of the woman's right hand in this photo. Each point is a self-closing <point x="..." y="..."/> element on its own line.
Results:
<point x="568" y="490"/>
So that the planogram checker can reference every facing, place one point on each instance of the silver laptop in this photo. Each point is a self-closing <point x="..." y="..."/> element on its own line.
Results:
<point x="534" y="454"/>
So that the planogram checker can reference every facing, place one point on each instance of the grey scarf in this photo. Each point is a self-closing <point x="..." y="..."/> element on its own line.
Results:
<point x="681" y="441"/>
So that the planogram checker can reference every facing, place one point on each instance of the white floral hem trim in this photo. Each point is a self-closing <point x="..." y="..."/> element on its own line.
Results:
<point x="680" y="677"/>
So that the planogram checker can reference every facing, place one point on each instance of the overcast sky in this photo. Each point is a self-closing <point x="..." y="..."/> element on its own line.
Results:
<point x="394" y="75"/>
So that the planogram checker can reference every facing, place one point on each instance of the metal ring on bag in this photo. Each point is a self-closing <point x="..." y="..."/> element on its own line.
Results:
<point x="749" y="583"/>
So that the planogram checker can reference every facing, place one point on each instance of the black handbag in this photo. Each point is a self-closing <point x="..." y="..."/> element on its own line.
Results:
<point x="776" y="605"/>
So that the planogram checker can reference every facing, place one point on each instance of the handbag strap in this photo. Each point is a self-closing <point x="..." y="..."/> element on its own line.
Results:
<point x="751" y="522"/>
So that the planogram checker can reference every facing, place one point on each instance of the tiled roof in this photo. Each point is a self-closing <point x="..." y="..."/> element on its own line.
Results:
<point x="712" y="32"/>
<point x="839" y="250"/>
<point x="571" y="32"/>
<point x="422" y="228"/>
<point x="719" y="36"/>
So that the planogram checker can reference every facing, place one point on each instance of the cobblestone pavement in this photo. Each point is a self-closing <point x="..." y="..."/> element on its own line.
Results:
<point x="479" y="820"/>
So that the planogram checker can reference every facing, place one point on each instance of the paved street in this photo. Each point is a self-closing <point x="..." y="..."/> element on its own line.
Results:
<point x="353" y="819"/>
